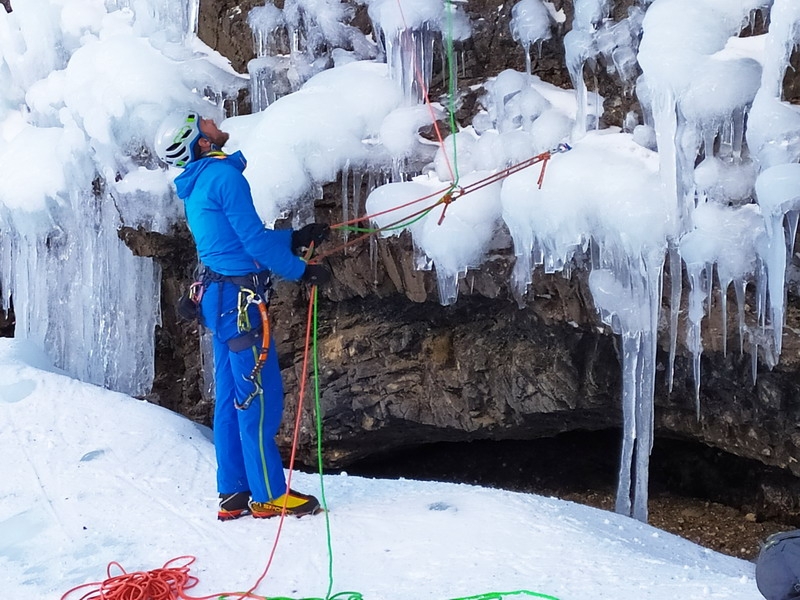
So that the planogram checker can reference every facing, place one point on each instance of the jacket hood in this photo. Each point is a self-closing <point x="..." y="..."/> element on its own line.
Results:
<point x="184" y="183"/>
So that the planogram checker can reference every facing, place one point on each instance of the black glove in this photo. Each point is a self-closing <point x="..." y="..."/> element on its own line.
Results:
<point x="316" y="275"/>
<point x="313" y="233"/>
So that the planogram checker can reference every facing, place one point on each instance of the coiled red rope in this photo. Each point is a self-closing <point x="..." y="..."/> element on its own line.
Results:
<point x="168" y="582"/>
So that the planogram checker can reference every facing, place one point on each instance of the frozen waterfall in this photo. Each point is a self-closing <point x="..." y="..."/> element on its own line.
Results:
<point x="704" y="181"/>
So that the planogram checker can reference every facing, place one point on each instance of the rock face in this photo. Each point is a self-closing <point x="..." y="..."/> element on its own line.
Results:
<point x="396" y="368"/>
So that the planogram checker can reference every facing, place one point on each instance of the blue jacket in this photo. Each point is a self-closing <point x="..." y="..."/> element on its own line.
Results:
<point x="229" y="234"/>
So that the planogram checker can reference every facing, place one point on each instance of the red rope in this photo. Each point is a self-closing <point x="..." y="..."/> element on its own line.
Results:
<point x="165" y="583"/>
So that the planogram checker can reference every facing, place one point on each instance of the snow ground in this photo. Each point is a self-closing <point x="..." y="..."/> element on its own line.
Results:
<point x="92" y="476"/>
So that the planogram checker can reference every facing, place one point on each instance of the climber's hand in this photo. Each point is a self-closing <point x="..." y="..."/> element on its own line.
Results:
<point x="316" y="275"/>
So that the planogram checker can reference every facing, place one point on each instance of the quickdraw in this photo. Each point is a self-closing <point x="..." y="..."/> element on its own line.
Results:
<point x="251" y="297"/>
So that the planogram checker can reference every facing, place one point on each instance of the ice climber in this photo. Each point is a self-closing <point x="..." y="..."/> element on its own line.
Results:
<point x="239" y="257"/>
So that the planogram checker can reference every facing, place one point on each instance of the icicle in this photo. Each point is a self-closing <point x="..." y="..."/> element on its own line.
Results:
<point x="723" y="303"/>
<point x="7" y="243"/>
<point x="675" y="293"/>
<point x="776" y="189"/>
<point x="740" y="287"/>
<point x="528" y="62"/>
<point x="644" y="420"/>
<point x="448" y="287"/>
<point x="530" y="24"/>
<point x="345" y="199"/>
<point x="630" y="353"/>
<point x="791" y="230"/>
<point x="270" y="79"/>
<point x="698" y="297"/>
<point x="410" y="59"/>
<point x="373" y="258"/>
<point x="193" y="17"/>
<point x="737" y="133"/>
<point x="577" y="45"/>
<point x="627" y="293"/>
<point x="358" y="182"/>
<point x="761" y="295"/>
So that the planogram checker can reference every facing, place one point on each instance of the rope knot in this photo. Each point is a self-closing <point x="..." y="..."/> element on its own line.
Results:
<point x="449" y="197"/>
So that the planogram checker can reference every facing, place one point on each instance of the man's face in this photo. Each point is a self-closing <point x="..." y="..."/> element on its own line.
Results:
<point x="213" y="133"/>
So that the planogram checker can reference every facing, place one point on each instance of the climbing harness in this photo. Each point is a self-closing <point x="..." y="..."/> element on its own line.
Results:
<point x="254" y="289"/>
<point x="246" y="298"/>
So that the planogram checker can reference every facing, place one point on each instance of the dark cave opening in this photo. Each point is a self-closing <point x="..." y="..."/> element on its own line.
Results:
<point x="7" y="321"/>
<point x="585" y="464"/>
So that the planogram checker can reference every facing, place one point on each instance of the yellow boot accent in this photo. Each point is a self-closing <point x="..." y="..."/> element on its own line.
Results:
<point x="297" y="504"/>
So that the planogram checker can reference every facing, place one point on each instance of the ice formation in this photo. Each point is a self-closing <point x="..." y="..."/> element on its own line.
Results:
<point x="76" y="130"/>
<point x="706" y="180"/>
<point x="531" y="23"/>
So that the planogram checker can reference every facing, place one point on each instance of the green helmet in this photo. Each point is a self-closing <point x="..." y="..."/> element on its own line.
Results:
<point x="176" y="138"/>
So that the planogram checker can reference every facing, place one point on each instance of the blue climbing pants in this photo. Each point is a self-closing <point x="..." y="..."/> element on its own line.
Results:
<point x="247" y="455"/>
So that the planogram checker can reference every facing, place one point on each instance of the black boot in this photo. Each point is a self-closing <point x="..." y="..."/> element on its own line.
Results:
<point x="233" y="506"/>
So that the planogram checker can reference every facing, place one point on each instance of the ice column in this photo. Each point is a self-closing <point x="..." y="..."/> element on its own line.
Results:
<point x="627" y="293"/>
<point x="81" y="105"/>
<point x="78" y="291"/>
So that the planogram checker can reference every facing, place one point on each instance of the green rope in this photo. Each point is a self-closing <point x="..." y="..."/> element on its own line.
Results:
<point x="504" y="595"/>
<point x="487" y="596"/>
<point x="395" y="227"/>
<point x="451" y="85"/>
<point x="318" y="419"/>
<point x="354" y="229"/>
<point x="339" y="596"/>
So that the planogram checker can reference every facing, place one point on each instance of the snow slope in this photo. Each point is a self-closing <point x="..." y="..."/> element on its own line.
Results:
<point x="92" y="476"/>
